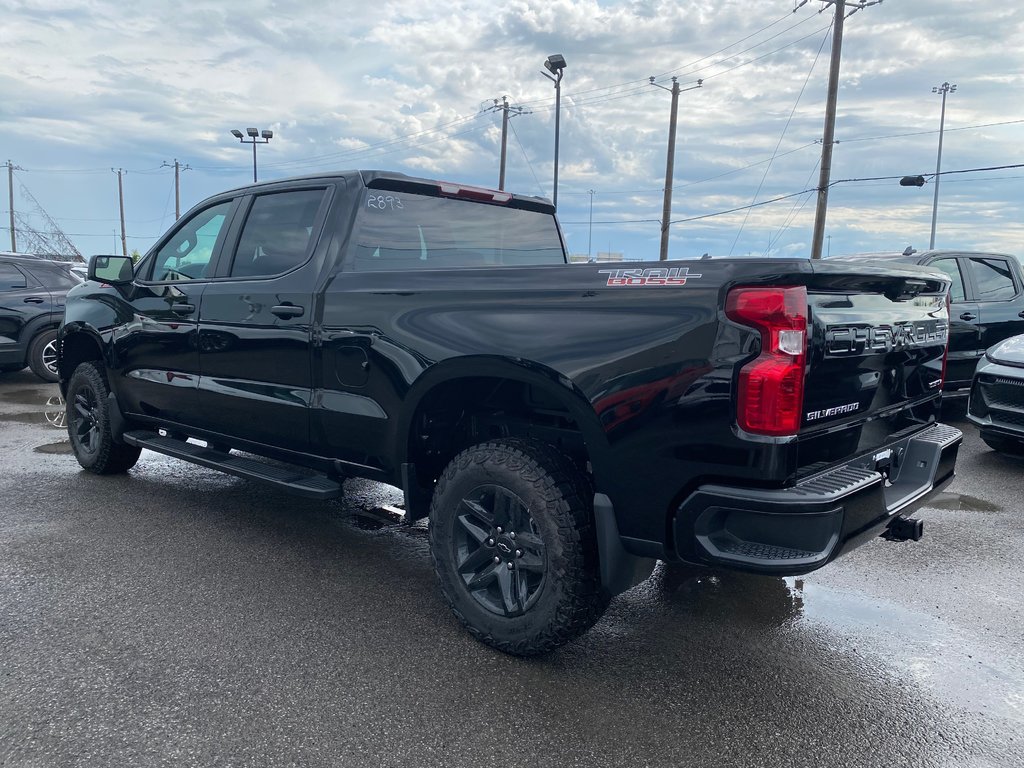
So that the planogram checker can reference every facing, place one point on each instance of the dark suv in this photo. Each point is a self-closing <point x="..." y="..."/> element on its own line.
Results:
<point x="32" y="292"/>
<point x="986" y="303"/>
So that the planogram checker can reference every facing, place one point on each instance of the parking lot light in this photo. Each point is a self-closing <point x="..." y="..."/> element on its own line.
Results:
<point x="254" y="139"/>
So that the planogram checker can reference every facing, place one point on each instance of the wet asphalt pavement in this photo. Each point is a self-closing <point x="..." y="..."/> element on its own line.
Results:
<point x="176" y="616"/>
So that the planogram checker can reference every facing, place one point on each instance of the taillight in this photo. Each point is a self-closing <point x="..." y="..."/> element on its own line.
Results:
<point x="945" y="352"/>
<point x="771" y="388"/>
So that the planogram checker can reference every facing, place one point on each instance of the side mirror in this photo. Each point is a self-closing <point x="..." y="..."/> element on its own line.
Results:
<point x="116" y="270"/>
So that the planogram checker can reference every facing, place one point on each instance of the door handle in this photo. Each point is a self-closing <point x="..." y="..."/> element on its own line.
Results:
<point x="1021" y="313"/>
<point x="287" y="310"/>
<point x="34" y="300"/>
<point x="183" y="309"/>
<point x="967" y="315"/>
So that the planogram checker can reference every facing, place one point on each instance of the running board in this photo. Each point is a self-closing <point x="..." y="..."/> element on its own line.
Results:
<point x="298" y="481"/>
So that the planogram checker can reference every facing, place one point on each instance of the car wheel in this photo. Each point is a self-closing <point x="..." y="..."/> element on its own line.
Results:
<point x="89" y="424"/>
<point x="514" y="546"/>
<point x="1006" y="445"/>
<point x="42" y="356"/>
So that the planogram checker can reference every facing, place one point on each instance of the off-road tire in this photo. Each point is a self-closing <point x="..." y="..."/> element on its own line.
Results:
<point x="88" y="423"/>
<point x="558" y="503"/>
<point x="42" y="351"/>
<point x="1006" y="445"/>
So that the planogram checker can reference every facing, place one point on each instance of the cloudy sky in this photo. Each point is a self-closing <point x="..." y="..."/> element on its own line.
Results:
<point x="94" y="85"/>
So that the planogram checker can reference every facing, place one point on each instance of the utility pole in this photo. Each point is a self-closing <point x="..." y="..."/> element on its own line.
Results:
<point x="507" y="112"/>
<point x="944" y="89"/>
<point x="120" y="201"/>
<point x="666" y="210"/>
<point x="10" y="194"/>
<point x="178" y="168"/>
<point x="830" y="119"/>
<point x="590" y="230"/>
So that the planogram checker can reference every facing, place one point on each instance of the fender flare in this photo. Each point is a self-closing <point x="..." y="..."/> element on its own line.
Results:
<point x="561" y="387"/>
<point x="78" y="328"/>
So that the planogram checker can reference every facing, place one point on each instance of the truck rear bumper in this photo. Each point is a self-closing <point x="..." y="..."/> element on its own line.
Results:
<point x="788" y="531"/>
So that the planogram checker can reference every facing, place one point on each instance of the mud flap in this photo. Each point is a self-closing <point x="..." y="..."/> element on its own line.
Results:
<point x="620" y="570"/>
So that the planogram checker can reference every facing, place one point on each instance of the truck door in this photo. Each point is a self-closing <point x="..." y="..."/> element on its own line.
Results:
<point x="155" y="347"/>
<point x="256" y="319"/>
<point x="1000" y="297"/>
<point x="964" y="325"/>
<point x="22" y="298"/>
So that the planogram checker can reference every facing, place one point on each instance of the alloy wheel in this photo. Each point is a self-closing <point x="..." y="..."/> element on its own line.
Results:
<point x="499" y="553"/>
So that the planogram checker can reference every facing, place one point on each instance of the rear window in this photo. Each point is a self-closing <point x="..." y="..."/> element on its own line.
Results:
<point x="401" y="231"/>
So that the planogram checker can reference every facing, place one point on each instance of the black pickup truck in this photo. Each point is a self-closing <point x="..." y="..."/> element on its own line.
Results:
<point x="987" y="303"/>
<point x="562" y="426"/>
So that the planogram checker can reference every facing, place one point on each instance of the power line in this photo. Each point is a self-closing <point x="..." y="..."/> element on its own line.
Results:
<point x="785" y="128"/>
<point x="526" y="157"/>
<point x="930" y="133"/>
<point x="779" y="20"/>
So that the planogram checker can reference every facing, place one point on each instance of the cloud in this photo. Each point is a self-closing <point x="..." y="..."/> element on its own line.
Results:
<point x="406" y="86"/>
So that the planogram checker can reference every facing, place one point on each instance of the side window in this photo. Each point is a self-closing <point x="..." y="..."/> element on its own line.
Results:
<point x="186" y="256"/>
<point x="277" y="234"/>
<point x="54" y="278"/>
<point x="993" y="279"/>
<point x="11" y="278"/>
<point x="952" y="268"/>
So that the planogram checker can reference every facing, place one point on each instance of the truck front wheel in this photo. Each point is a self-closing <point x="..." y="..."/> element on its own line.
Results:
<point x="514" y="546"/>
<point x="88" y="424"/>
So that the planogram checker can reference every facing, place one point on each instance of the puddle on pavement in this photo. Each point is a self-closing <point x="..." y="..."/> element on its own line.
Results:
<point x="63" y="447"/>
<point x="728" y="595"/>
<point x="960" y="501"/>
<point x="383" y="517"/>
<point x="28" y="417"/>
<point x="53" y="413"/>
<point x="925" y="649"/>
<point x="905" y="643"/>
<point x="21" y="396"/>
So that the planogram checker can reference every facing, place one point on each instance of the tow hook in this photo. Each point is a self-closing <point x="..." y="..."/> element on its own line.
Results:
<point x="904" y="529"/>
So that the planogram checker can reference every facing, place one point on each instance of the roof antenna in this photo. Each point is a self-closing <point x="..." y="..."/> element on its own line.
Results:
<point x="909" y="251"/>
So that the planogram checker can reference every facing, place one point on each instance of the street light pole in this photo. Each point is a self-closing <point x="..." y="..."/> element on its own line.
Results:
<point x="555" y="64"/>
<point x="944" y="89"/>
<point x="253" y="134"/>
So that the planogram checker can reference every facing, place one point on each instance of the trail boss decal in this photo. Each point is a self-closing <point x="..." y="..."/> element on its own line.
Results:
<point x="649" y="276"/>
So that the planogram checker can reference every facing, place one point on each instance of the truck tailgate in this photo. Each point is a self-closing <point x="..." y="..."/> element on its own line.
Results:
<point x="875" y="358"/>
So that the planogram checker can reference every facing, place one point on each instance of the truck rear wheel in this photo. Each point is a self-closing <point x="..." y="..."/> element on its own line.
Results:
<point x="88" y="424"/>
<point x="514" y="546"/>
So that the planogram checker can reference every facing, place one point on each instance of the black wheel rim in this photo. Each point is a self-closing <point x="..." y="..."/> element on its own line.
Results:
<point x="85" y="420"/>
<point x="499" y="554"/>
